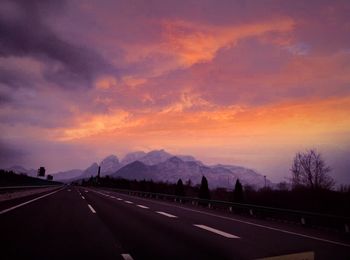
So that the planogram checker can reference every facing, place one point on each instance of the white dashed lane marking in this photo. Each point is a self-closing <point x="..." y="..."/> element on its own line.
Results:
<point x="127" y="257"/>
<point x="91" y="208"/>
<point x="216" y="231"/>
<point x="129" y="202"/>
<point x="142" y="206"/>
<point x="166" y="214"/>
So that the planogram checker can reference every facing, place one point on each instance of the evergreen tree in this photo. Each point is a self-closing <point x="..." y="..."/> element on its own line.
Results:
<point x="204" y="192"/>
<point x="238" y="192"/>
<point x="179" y="189"/>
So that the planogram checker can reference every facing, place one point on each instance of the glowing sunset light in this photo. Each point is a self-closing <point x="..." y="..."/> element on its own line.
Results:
<point x="234" y="82"/>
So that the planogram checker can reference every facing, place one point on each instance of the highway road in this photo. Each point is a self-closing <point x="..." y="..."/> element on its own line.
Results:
<point x="77" y="222"/>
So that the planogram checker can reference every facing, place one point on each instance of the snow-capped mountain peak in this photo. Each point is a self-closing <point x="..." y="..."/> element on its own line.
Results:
<point x="109" y="165"/>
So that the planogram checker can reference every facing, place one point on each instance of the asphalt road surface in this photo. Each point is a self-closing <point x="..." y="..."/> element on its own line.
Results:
<point x="84" y="223"/>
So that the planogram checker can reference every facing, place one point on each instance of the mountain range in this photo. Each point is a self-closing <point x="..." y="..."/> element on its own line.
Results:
<point x="160" y="165"/>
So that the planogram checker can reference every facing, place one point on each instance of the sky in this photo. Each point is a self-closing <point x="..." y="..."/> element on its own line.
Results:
<point x="240" y="82"/>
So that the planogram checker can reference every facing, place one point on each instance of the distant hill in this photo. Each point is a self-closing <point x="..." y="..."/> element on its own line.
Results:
<point x="131" y="157"/>
<point x="110" y="165"/>
<point x="59" y="176"/>
<point x="175" y="168"/>
<point x="136" y="170"/>
<point x="155" y="157"/>
<point x="21" y="170"/>
<point x="160" y="165"/>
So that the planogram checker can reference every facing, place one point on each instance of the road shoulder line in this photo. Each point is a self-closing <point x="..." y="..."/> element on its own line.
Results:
<point x="29" y="201"/>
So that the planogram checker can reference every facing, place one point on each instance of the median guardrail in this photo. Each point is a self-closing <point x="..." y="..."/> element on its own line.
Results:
<point x="304" y="218"/>
<point x="8" y="189"/>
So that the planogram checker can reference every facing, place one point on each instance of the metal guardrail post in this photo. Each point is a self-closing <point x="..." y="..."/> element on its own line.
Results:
<point x="303" y="222"/>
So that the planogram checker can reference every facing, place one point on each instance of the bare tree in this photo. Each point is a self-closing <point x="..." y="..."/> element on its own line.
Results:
<point x="310" y="170"/>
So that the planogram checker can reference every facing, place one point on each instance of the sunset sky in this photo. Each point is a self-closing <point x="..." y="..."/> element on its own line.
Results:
<point x="241" y="82"/>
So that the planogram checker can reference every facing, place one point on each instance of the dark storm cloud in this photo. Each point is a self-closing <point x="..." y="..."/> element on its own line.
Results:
<point x="5" y="98"/>
<point x="15" y="79"/>
<point x="24" y="33"/>
<point x="10" y="155"/>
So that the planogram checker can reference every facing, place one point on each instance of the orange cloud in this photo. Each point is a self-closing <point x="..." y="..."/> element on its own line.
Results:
<point x="290" y="123"/>
<point x="106" y="82"/>
<point x="194" y="43"/>
<point x="92" y="125"/>
<point x="185" y="43"/>
<point x="132" y="81"/>
<point x="188" y="100"/>
<point x="295" y="77"/>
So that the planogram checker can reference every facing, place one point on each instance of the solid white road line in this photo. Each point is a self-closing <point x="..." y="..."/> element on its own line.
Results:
<point x="91" y="208"/>
<point x="142" y="206"/>
<point x="83" y="197"/>
<point x="166" y="214"/>
<point x="129" y="202"/>
<point x="127" y="257"/>
<point x="303" y="255"/>
<point x="27" y="202"/>
<point x="216" y="231"/>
